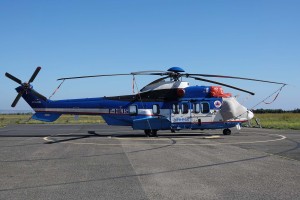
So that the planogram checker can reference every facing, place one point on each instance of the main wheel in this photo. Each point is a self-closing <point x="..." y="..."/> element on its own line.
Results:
<point x="227" y="131"/>
<point x="154" y="133"/>
<point x="147" y="132"/>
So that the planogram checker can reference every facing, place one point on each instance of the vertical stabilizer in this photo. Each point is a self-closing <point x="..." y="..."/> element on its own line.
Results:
<point x="33" y="98"/>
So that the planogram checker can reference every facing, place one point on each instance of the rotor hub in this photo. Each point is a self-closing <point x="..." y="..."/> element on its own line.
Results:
<point x="175" y="73"/>
<point x="26" y="86"/>
<point x="176" y="69"/>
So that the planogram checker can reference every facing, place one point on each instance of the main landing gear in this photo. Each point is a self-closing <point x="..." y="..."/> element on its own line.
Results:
<point x="150" y="133"/>
<point x="227" y="131"/>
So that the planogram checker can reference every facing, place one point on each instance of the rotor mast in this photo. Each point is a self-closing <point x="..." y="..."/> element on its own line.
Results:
<point x="175" y="73"/>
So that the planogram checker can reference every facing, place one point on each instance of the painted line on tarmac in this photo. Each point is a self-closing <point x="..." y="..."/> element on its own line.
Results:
<point x="47" y="139"/>
<point x="281" y="137"/>
<point x="121" y="137"/>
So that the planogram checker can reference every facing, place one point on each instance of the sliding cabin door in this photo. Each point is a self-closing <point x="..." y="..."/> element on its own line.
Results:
<point x="181" y="114"/>
<point x="201" y="116"/>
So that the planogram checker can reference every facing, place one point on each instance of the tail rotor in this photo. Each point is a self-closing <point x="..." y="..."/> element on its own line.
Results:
<point x="25" y="86"/>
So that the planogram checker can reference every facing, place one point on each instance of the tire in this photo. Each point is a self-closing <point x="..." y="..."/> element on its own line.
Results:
<point x="147" y="132"/>
<point x="154" y="133"/>
<point x="227" y="131"/>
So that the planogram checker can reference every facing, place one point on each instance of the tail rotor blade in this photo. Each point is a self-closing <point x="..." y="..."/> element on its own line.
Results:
<point x="17" y="99"/>
<point x="34" y="74"/>
<point x="8" y="75"/>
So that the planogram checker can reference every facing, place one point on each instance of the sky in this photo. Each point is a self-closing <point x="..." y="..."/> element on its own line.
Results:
<point x="258" y="39"/>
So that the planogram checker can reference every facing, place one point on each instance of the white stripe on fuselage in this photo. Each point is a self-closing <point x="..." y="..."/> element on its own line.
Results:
<point x="98" y="111"/>
<point x="74" y="110"/>
<point x="117" y="111"/>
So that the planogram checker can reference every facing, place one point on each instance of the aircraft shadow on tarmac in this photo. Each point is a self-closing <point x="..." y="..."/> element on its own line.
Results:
<point x="90" y="134"/>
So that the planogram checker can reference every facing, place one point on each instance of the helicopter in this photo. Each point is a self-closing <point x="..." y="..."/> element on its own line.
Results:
<point x="167" y="103"/>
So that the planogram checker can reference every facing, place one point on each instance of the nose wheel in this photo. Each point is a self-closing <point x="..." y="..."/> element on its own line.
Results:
<point x="227" y="131"/>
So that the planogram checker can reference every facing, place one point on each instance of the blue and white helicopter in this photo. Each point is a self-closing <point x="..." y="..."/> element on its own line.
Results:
<point x="167" y="103"/>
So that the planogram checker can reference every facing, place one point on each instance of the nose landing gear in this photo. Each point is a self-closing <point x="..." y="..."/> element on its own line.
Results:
<point x="227" y="131"/>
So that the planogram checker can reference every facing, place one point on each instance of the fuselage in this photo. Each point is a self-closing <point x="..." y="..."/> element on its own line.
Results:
<point x="160" y="106"/>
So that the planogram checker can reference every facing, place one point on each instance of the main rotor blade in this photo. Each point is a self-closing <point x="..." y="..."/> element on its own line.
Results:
<point x="233" y="77"/>
<point x="159" y="80"/>
<point x="156" y="81"/>
<point x="93" y="76"/>
<point x="223" y="84"/>
<point x="8" y="75"/>
<point x="159" y="73"/>
<point x="34" y="74"/>
<point x="17" y="99"/>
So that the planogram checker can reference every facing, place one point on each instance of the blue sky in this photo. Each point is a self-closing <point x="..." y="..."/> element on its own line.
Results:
<point x="258" y="39"/>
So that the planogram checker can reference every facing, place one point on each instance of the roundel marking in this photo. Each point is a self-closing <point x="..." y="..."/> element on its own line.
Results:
<point x="217" y="104"/>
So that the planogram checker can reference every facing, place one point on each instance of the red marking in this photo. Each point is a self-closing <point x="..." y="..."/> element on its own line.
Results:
<point x="180" y="92"/>
<point x="217" y="91"/>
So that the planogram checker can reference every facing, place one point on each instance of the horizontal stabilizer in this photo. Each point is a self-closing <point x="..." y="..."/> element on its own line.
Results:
<point x="46" y="117"/>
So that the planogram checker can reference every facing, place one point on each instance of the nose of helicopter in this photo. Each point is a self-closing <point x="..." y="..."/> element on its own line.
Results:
<point x="231" y="109"/>
<point x="246" y="114"/>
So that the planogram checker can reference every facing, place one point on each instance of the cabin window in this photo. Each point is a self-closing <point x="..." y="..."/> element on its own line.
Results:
<point x="175" y="108"/>
<point x="196" y="108"/>
<point x="155" y="109"/>
<point x="133" y="110"/>
<point x="205" y="107"/>
<point x="185" y="108"/>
